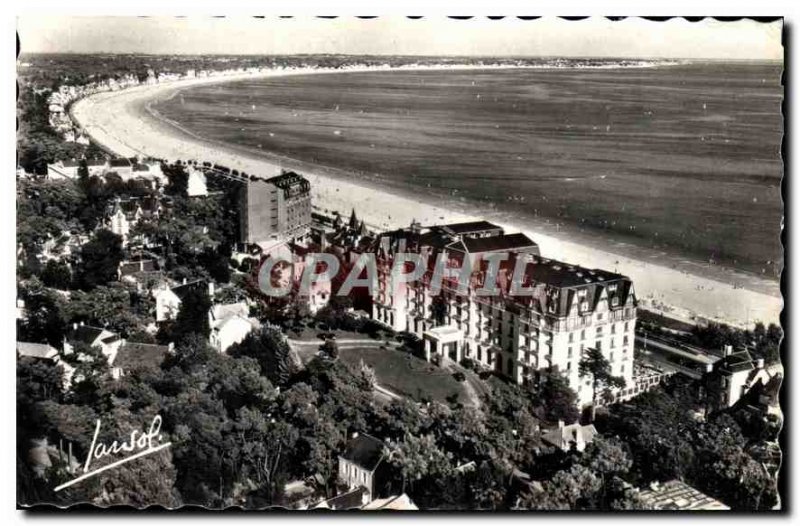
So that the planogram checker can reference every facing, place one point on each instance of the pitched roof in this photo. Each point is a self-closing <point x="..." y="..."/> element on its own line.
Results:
<point x="677" y="495"/>
<point x="287" y="180"/>
<point x="119" y="163"/>
<point x="560" y="274"/>
<point x="346" y="501"/>
<point x="564" y="437"/>
<point x="517" y="241"/>
<point x="84" y="333"/>
<point x="140" y="355"/>
<point x="36" y="350"/>
<point x="364" y="451"/>
<point x="182" y="290"/>
<point x="129" y="268"/>
<point x="128" y="206"/>
<point x="223" y="311"/>
<point x="736" y="362"/>
<point x="469" y="227"/>
<point x="395" y="502"/>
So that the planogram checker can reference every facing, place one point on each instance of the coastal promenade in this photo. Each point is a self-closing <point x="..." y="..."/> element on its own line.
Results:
<point x="124" y="123"/>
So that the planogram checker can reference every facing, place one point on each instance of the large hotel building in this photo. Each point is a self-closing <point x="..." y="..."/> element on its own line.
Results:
<point x="571" y="309"/>
<point x="275" y="209"/>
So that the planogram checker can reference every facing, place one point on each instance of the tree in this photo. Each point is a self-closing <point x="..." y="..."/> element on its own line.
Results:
<point x="269" y="347"/>
<point x="100" y="259"/>
<point x="148" y="481"/>
<point x="331" y="348"/>
<point x="567" y="490"/>
<point x="606" y="458"/>
<point x="110" y="307"/>
<point x="417" y="457"/>
<point x="488" y="485"/>
<point x="266" y="447"/>
<point x="192" y="315"/>
<point x="37" y="380"/>
<point x="96" y="197"/>
<point x="554" y="399"/>
<point x="44" y="318"/>
<point x="177" y="179"/>
<point x="57" y="274"/>
<point x="83" y="170"/>
<point x="621" y="496"/>
<point x="594" y="364"/>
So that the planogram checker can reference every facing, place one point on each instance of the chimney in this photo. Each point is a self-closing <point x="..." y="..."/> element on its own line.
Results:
<point x="184" y="281"/>
<point x="210" y="289"/>
<point x="561" y="424"/>
<point x="171" y="346"/>
<point x="354" y="435"/>
<point x="74" y="326"/>
<point x="728" y="350"/>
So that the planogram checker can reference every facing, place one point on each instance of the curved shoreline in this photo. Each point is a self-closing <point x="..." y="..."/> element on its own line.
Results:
<point x="122" y="122"/>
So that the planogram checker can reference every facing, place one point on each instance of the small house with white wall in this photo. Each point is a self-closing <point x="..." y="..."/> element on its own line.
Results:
<point x="230" y="324"/>
<point x="108" y="342"/>
<point x="168" y="300"/>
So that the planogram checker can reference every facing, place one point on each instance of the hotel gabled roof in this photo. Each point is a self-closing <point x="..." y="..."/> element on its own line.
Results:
<point x="509" y="242"/>
<point x="469" y="227"/>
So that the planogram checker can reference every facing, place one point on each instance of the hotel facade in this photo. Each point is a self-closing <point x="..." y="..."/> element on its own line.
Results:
<point x="277" y="209"/>
<point x="571" y="308"/>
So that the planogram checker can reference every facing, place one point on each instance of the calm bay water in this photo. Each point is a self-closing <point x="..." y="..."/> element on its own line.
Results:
<point x="684" y="159"/>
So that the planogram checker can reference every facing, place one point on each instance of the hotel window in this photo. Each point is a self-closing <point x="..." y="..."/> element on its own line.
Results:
<point x="583" y="334"/>
<point x="569" y="352"/>
<point x="626" y="326"/>
<point x="599" y="345"/>
<point x="599" y="316"/>
<point x="611" y="356"/>
<point x="571" y="337"/>
<point x="612" y="343"/>
<point x="625" y="340"/>
<point x="599" y="330"/>
<point x="613" y="329"/>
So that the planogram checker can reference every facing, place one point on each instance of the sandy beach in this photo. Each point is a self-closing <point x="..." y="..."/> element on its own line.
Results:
<point x="123" y="122"/>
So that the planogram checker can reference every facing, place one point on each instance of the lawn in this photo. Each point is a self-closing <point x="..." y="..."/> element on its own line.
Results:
<point x="406" y="374"/>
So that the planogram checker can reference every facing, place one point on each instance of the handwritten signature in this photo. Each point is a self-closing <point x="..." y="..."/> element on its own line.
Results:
<point x="144" y="444"/>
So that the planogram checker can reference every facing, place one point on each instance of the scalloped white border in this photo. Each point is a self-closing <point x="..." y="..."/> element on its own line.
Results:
<point x="787" y="8"/>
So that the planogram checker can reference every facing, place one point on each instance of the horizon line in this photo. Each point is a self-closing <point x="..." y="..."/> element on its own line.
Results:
<point x="384" y="55"/>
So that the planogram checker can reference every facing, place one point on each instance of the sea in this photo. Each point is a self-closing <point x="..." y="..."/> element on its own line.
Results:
<point x="682" y="159"/>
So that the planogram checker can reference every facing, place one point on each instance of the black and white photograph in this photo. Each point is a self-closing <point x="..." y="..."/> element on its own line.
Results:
<point x="396" y="263"/>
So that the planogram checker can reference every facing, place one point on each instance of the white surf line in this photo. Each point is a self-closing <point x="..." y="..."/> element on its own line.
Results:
<point x="112" y="465"/>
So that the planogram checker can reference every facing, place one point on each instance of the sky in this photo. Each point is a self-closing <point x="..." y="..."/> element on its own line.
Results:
<point x="598" y="37"/>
